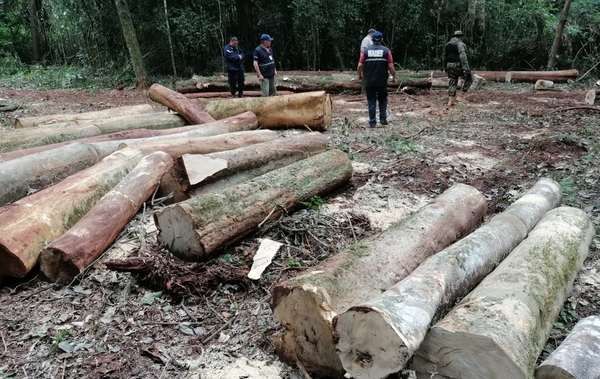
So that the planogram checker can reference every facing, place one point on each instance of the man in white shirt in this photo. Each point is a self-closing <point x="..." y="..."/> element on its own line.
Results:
<point x="366" y="42"/>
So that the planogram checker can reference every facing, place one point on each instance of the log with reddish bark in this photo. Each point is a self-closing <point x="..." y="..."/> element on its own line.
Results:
<point x="533" y="76"/>
<point x="67" y="256"/>
<point x="378" y="337"/>
<point x="590" y="96"/>
<point x="307" y="304"/>
<point x="196" y="228"/>
<point x="179" y="103"/>
<point x="225" y="95"/>
<point x="311" y="109"/>
<point x="193" y="175"/>
<point x="30" y="223"/>
<point x="27" y="122"/>
<point x="11" y="140"/>
<point x="501" y="327"/>
<point x="578" y="356"/>
<point x="241" y="122"/>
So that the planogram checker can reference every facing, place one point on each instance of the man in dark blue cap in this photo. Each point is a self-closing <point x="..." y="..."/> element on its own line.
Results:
<point x="235" y="67"/>
<point x="375" y="62"/>
<point x="264" y="65"/>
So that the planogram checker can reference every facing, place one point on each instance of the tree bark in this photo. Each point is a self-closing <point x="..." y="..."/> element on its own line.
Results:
<point x="28" y="224"/>
<point x="35" y="28"/>
<point x="240" y="165"/>
<point x="378" y="337"/>
<point x="28" y="122"/>
<point x="179" y="104"/>
<point x="577" y="356"/>
<point x="241" y="122"/>
<point x="11" y="140"/>
<point x="557" y="37"/>
<point x="312" y="110"/>
<point x="67" y="256"/>
<point x="196" y="228"/>
<point x="133" y="45"/>
<point x="590" y="96"/>
<point x="307" y="304"/>
<point x="533" y="76"/>
<point x="500" y="328"/>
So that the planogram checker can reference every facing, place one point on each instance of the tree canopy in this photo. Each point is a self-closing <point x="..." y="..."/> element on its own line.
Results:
<point x="308" y="34"/>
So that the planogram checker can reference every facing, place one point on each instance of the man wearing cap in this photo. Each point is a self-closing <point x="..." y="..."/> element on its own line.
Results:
<point x="264" y="65"/>
<point x="366" y="42"/>
<point x="457" y="65"/>
<point x="235" y="67"/>
<point x="375" y="62"/>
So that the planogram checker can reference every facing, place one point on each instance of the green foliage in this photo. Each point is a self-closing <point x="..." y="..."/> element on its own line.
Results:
<point x="313" y="203"/>
<point x="293" y="263"/>
<point x="401" y="146"/>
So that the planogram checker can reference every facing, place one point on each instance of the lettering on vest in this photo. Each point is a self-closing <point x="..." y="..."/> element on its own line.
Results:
<point x="374" y="53"/>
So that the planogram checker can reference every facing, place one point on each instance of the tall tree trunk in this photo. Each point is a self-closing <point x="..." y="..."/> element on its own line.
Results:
<point x="170" y="42"/>
<point x="132" y="44"/>
<point x="558" y="36"/>
<point x="35" y="8"/>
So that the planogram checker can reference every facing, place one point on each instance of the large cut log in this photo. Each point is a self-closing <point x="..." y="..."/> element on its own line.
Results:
<point x="43" y="135"/>
<point x="34" y="172"/>
<point x="226" y="94"/>
<point x="500" y="328"/>
<point x="27" y="122"/>
<point x="67" y="256"/>
<point x="193" y="175"/>
<point x="311" y="109"/>
<point x="307" y="304"/>
<point x="590" y="96"/>
<point x="30" y="223"/>
<point x="237" y="123"/>
<point x="378" y="337"/>
<point x="533" y="76"/>
<point x="179" y="103"/>
<point x="578" y="356"/>
<point x="196" y="228"/>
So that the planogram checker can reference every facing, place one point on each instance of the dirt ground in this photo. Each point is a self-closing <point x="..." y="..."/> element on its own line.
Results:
<point x="215" y="323"/>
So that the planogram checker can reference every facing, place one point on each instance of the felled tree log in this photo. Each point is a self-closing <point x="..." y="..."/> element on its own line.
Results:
<point x="307" y="304"/>
<point x="179" y="103"/>
<point x="241" y="122"/>
<point x="27" y="122"/>
<point x="196" y="228"/>
<point x="193" y="175"/>
<point x="378" y="337"/>
<point x="533" y="76"/>
<point x="226" y="94"/>
<point x="590" y="96"/>
<point x="28" y="224"/>
<point x="312" y="109"/>
<point x="67" y="256"/>
<point x="43" y="135"/>
<point x="501" y="327"/>
<point x="577" y="356"/>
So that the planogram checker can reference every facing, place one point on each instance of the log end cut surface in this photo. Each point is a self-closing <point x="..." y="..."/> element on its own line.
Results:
<point x="464" y="356"/>
<point x="368" y="345"/>
<point x="175" y="224"/>
<point x="11" y="264"/>
<point x="56" y="268"/>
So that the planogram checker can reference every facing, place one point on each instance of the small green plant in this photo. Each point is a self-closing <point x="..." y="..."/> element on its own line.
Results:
<point x="313" y="203"/>
<point x="293" y="263"/>
<point x="589" y="130"/>
<point x="401" y="146"/>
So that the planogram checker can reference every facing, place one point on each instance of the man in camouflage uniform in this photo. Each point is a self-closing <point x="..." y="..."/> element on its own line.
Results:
<point x="457" y="65"/>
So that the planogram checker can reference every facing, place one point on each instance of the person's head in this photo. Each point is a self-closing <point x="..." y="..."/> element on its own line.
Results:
<point x="265" y="40"/>
<point x="458" y="34"/>
<point x="233" y="41"/>
<point x="377" y="37"/>
<point x="371" y="31"/>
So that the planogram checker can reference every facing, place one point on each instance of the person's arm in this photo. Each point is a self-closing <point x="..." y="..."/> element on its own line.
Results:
<point x="229" y="55"/>
<point x="257" y="69"/>
<point x="391" y="67"/>
<point x="361" y="67"/>
<point x="462" y="53"/>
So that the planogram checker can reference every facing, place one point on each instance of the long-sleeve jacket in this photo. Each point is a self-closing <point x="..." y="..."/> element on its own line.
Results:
<point x="232" y="55"/>
<point x="455" y="54"/>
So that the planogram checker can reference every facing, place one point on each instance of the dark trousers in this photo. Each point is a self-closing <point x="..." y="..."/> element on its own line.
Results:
<point x="374" y="95"/>
<point x="236" y="80"/>
<point x="454" y="73"/>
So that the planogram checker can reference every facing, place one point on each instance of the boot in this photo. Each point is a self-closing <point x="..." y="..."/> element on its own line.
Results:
<point x="451" y="101"/>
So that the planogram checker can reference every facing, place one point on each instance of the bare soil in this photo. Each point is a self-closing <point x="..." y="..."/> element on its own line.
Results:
<point x="169" y="319"/>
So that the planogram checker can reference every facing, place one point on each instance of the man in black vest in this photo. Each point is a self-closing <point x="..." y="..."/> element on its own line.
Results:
<point x="264" y="65"/>
<point x="235" y="67"/>
<point x="457" y="65"/>
<point x="375" y="62"/>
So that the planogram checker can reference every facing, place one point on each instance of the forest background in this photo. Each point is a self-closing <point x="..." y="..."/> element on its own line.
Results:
<point x="179" y="38"/>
